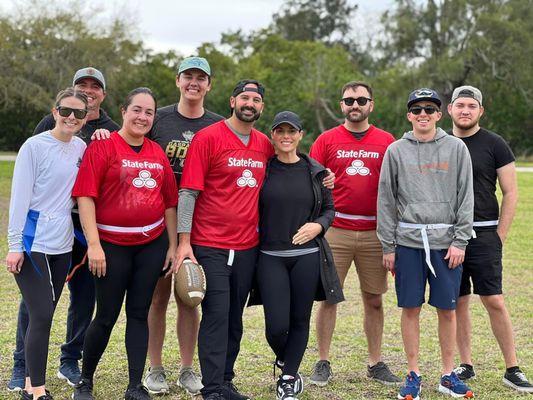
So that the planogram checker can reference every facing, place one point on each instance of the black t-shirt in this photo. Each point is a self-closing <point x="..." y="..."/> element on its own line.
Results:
<point x="102" y="122"/>
<point x="286" y="203"/>
<point x="488" y="152"/>
<point x="174" y="132"/>
<point x="359" y="135"/>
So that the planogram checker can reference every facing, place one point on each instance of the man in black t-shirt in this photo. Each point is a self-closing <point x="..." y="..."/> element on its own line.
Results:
<point x="492" y="161"/>
<point x="92" y="83"/>
<point x="173" y="129"/>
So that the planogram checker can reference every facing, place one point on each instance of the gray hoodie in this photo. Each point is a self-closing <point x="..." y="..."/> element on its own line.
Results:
<point x="425" y="183"/>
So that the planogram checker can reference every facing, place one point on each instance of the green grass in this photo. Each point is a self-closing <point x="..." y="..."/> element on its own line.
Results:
<point x="254" y="371"/>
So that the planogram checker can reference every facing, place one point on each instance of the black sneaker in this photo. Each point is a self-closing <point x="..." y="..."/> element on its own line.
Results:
<point x="213" y="396"/>
<point x="285" y="389"/>
<point x="83" y="390"/>
<point x="27" y="396"/>
<point x="382" y="374"/>
<point x="299" y="379"/>
<point x="230" y="392"/>
<point x="137" y="393"/>
<point x="46" y="396"/>
<point x="518" y="381"/>
<point x="465" y="372"/>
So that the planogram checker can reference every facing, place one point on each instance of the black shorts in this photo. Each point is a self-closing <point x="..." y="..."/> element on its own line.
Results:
<point x="483" y="265"/>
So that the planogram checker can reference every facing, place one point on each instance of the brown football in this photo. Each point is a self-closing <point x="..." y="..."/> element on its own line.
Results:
<point x="189" y="283"/>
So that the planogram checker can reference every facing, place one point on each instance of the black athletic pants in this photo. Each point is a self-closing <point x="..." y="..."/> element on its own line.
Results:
<point x="132" y="272"/>
<point x="229" y="277"/>
<point x="80" y="310"/>
<point x="288" y="286"/>
<point x="41" y="284"/>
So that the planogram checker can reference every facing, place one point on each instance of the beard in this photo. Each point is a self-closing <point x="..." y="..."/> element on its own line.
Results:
<point x="466" y="125"/>
<point x="239" y="113"/>
<point x="358" y="116"/>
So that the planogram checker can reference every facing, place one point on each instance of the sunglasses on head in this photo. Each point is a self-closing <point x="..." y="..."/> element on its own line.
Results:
<point x="66" y="111"/>
<point x="417" y="110"/>
<point x="360" y="100"/>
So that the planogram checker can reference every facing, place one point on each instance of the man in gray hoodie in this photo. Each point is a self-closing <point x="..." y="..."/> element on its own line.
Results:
<point x="425" y="214"/>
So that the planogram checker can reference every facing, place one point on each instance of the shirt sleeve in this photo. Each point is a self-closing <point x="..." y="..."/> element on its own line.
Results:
<point x="196" y="163"/>
<point x="465" y="199"/>
<point x="387" y="219"/>
<point x="317" y="151"/>
<point x="92" y="171"/>
<point x="503" y="154"/>
<point x="170" y="188"/>
<point x="24" y="175"/>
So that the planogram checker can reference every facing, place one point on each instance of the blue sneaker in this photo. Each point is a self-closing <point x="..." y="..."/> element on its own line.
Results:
<point x="18" y="377"/>
<point x="453" y="386"/>
<point x="412" y="387"/>
<point x="70" y="372"/>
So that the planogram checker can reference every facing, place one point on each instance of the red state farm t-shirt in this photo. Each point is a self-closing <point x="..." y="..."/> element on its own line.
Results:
<point x="357" y="165"/>
<point x="129" y="189"/>
<point x="229" y="176"/>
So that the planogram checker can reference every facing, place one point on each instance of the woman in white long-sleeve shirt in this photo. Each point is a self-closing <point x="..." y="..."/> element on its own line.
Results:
<point x="40" y="233"/>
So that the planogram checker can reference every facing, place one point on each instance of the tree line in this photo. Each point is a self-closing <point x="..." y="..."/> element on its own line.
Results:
<point x="304" y="56"/>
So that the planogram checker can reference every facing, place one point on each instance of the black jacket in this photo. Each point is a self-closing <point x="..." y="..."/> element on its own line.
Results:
<point x="103" y="121"/>
<point x="323" y="213"/>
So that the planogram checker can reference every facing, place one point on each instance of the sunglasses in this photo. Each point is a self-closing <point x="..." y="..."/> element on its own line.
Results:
<point x="417" y="110"/>
<point x="360" y="100"/>
<point x="66" y="111"/>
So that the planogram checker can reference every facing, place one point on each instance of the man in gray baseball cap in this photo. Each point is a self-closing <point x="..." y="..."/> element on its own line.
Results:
<point x="492" y="161"/>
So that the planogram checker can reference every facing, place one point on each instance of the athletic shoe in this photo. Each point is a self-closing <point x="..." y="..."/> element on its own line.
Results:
<point x="69" y="371"/>
<point x="18" y="377"/>
<point x="137" y="393"/>
<point x="382" y="374"/>
<point x="465" y="372"/>
<point x="322" y="373"/>
<point x="83" y="390"/>
<point x="27" y="396"/>
<point x="190" y="381"/>
<point x="214" y="396"/>
<point x="453" y="386"/>
<point x="518" y="381"/>
<point x="46" y="396"/>
<point x="231" y="392"/>
<point x="285" y="389"/>
<point x="299" y="379"/>
<point x="156" y="380"/>
<point x="411" y="388"/>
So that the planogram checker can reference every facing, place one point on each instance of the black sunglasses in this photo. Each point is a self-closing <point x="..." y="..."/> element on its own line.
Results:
<point x="417" y="110"/>
<point x="360" y="100"/>
<point x="66" y="111"/>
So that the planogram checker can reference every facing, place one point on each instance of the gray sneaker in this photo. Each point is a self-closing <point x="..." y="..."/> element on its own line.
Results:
<point x="321" y="373"/>
<point x="381" y="373"/>
<point x="190" y="380"/>
<point x="156" y="380"/>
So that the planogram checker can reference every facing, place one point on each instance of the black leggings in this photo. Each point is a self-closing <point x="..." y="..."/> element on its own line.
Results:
<point x="41" y="284"/>
<point x="288" y="286"/>
<point x="132" y="272"/>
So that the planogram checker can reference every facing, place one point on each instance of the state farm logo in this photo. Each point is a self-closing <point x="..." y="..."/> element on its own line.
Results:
<point x="357" y="168"/>
<point x="144" y="180"/>
<point x="247" y="179"/>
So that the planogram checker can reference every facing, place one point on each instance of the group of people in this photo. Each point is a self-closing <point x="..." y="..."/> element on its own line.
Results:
<point x="256" y="214"/>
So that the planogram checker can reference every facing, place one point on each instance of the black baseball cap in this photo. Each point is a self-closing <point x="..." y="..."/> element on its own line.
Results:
<point x="423" y="94"/>
<point x="287" y="117"/>
<point x="240" y="87"/>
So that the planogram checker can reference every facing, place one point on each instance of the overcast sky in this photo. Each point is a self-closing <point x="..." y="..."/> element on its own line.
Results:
<point x="183" y="25"/>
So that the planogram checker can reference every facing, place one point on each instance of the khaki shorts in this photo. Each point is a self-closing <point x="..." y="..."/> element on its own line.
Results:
<point x="364" y="249"/>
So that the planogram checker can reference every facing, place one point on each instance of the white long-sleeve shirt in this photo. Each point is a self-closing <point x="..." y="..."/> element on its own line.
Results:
<point x="45" y="171"/>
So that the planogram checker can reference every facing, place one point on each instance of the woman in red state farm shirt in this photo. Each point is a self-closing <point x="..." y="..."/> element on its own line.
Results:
<point x="127" y="194"/>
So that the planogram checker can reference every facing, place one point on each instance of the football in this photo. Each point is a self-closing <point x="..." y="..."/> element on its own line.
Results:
<point x="189" y="283"/>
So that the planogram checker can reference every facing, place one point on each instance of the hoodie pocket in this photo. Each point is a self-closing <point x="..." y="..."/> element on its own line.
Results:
<point x="437" y="212"/>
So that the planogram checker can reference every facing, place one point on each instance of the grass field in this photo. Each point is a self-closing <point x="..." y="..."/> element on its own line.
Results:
<point x="254" y="370"/>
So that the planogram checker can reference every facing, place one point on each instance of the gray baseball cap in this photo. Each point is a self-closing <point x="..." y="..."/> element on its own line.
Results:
<point x="468" y="91"/>
<point x="89" y="72"/>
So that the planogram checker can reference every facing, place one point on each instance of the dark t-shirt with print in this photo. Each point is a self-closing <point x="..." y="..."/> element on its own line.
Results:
<point x="488" y="152"/>
<point x="174" y="132"/>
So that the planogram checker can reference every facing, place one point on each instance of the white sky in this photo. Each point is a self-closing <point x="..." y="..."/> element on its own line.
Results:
<point x="183" y="25"/>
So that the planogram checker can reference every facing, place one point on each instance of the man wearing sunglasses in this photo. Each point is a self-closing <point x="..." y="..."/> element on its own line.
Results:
<point x="354" y="152"/>
<point x="91" y="82"/>
<point x="425" y="213"/>
<point x="492" y="161"/>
